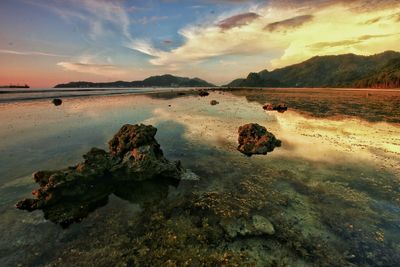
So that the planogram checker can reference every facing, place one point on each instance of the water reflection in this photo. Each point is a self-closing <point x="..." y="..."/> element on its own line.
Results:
<point x="145" y="193"/>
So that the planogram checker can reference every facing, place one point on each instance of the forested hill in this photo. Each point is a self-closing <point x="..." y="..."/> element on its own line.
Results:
<point x="386" y="77"/>
<point x="166" y="80"/>
<point x="349" y="70"/>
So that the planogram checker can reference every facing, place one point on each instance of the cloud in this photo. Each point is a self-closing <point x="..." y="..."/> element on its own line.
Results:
<point x="368" y="37"/>
<point x="99" y="15"/>
<point x="270" y="34"/>
<point x="373" y="20"/>
<point x="289" y="23"/>
<point x="384" y="19"/>
<point x="144" y="46"/>
<point x="30" y="53"/>
<point x="326" y="30"/>
<point x="237" y="20"/>
<point x="358" y="40"/>
<point x="147" y="20"/>
<point x="97" y="69"/>
<point x="322" y="45"/>
<point x="228" y="1"/>
<point x="227" y="63"/>
<point x="132" y="9"/>
<point x="355" y="5"/>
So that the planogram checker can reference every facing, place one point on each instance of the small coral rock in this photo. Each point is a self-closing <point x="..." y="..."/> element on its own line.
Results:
<point x="255" y="139"/>
<point x="263" y="225"/>
<point x="214" y="102"/>
<point x="268" y="107"/>
<point x="57" y="102"/>
<point x="203" y="93"/>
<point x="280" y="107"/>
<point x="255" y="226"/>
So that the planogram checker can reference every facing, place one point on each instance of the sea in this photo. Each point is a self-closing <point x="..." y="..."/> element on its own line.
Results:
<point x="329" y="196"/>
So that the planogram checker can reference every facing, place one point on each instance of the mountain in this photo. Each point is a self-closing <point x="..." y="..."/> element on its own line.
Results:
<point x="166" y="80"/>
<point x="386" y="77"/>
<point x="347" y="70"/>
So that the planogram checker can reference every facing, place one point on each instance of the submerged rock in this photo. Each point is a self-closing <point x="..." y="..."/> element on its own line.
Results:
<point x="257" y="225"/>
<point x="263" y="225"/>
<point x="255" y="139"/>
<point x="56" y="101"/>
<point x="214" y="102"/>
<point x="69" y="195"/>
<point x="280" y="107"/>
<point x="203" y="93"/>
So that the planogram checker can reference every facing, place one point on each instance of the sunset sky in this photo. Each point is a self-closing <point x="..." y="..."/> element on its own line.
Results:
<point x="45" y="42"/>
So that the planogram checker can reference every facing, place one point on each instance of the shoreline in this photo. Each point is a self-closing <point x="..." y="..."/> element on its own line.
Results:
<point x="85" y="93"/>
<point x="169" y="92"/>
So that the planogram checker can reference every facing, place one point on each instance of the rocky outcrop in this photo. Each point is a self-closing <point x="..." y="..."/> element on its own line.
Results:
<point x="281" y="108"/>
<point x="139" y="155"/>
<point x="69" y="195"/>
<point x="255" y="139"/>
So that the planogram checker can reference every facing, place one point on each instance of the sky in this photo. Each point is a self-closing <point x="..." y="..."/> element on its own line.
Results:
<point x="46" y="42"/>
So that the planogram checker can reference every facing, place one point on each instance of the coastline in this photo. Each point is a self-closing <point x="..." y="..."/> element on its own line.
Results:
<point x="12" y="96"/>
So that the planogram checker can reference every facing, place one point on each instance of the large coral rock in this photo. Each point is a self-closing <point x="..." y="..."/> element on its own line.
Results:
<point x="255" y="139"/>
<point x="68" y="195"/>
<point x="140" y="156"/>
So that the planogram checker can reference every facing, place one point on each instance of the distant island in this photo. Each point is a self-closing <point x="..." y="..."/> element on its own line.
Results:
<point x="14" y="86"/>
<point x="349" y="70"/>
<point x="166" y="80"/>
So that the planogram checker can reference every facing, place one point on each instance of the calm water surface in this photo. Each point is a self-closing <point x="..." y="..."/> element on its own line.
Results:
<point x="8" y="95"/>
<point x="332" y="191"/>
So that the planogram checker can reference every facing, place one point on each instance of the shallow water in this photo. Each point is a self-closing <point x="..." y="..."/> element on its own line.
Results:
<point x="8" y="95"/>
<point x="332" y="191"/>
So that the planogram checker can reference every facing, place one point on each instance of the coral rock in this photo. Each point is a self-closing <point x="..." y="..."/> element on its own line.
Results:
<point x="255" y="139"/>
<point x="56" y="101"/>
<point x="281" y="108"/>
<point x="257" y="225"/>
<point x="203" y="93"/>
<point x="68" y="195"/>
<point x="140" y="155"/>
<point x="263" y="225"/>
